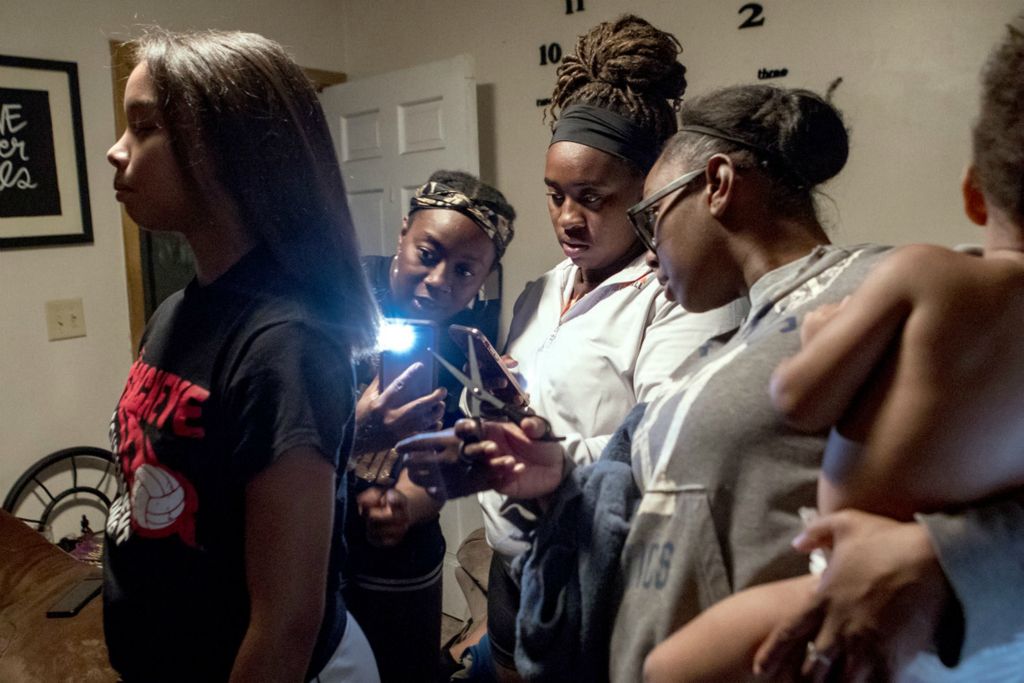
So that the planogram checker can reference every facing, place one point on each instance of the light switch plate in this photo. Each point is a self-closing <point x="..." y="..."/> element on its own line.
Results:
<point x="65" y="319"/>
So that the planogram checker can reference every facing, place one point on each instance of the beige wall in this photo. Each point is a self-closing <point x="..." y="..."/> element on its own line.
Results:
<point x="58" y="394"/>
<point x="909" y="68"/>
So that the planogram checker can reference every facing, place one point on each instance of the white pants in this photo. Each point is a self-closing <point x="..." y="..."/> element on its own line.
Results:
<point x="353" y="661"/>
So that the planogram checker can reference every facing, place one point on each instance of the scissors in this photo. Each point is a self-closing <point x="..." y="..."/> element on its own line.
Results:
<point x="477" y="395"/>
<point x="446" y="474"/>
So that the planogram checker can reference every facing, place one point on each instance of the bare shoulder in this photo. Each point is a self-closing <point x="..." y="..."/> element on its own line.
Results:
<point x="904" y="271"/>
<point x="918" y="262"/>
<point x="959" y="300"/>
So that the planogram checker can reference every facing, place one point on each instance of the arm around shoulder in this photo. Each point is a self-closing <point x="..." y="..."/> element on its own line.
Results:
<point x="842" y="344"/>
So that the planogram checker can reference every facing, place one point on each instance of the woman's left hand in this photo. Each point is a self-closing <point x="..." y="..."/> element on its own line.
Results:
<point x="878" y="604"/>
<point x="385" y="417"/>
<point x="512" y="459"/>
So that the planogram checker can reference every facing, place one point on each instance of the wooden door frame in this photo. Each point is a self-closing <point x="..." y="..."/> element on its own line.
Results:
<point x="121" y="66"/>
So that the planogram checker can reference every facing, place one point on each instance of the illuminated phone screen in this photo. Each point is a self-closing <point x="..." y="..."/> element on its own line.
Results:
<point x="403" y="342"/>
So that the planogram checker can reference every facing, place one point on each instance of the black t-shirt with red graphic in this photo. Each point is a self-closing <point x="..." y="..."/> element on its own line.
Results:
<point x="230" y="376"/>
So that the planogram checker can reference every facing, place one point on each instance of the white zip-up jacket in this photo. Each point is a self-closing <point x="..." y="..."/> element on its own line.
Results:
<point x="586" y="367"/>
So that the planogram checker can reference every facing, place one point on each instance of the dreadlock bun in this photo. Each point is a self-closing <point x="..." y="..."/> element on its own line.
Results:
<point x="626" y="66"/>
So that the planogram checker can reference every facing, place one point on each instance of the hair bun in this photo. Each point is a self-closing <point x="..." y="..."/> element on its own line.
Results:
<point x="626" y="66"/>
<point x="796" y="130"/>
<point x="812" y="138"/>
<point x="631" y="54"/>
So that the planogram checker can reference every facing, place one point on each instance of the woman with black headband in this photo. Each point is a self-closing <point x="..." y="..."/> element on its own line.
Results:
<point x="595" y="335"/>
<point x="454" y="236"/>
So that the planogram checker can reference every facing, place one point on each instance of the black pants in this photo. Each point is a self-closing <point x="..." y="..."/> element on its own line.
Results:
<point x="403" y="627"/>
<point x="502" y="608"/>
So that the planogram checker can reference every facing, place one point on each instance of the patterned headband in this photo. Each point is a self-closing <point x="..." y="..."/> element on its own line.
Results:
<point x="434" y="195"/>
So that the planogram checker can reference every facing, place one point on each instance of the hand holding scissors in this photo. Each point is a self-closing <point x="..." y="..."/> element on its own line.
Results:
<point x="476" y="395"/>
<point x="459" y="461"/>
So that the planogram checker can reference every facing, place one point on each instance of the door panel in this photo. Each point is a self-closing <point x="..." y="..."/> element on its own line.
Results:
<point x="393" y="130"/>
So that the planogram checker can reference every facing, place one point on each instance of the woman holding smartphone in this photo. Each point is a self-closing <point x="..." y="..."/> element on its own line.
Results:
<point x="453" y="238"/>
<point x="595" y="335"/>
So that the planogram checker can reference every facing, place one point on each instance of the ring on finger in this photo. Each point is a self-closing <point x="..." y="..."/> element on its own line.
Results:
<point x="816" y="657"/>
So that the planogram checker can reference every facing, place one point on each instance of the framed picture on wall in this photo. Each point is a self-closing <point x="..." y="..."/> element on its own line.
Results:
<point x="44" y="192"/>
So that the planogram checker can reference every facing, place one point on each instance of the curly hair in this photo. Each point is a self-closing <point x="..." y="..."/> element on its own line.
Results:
<point x="999" y="129"/>
<point x="626" y="66"/>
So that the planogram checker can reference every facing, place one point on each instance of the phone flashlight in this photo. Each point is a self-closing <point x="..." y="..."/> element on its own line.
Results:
<point x="403" y="342"/>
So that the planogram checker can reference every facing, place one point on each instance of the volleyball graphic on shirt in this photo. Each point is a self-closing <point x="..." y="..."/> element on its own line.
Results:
<point x="158" y="498"/>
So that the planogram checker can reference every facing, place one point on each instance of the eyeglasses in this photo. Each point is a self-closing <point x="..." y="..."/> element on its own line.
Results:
<point x="644" y="214"/>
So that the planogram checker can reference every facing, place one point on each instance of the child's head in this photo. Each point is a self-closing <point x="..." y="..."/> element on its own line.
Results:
<point x="998" y="157"/>
<point x="245" y="125"/>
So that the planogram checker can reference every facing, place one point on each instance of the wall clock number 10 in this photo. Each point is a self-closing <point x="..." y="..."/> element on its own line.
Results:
<point x="550" y="54"/>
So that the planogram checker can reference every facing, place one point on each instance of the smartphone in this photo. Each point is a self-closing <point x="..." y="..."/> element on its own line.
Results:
<point x="487" y="357"/>
<point x="77" y="597"/>
<point x="403" y="342"/>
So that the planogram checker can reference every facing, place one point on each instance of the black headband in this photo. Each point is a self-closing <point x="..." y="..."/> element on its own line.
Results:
<point x="721" y="135"/>
<point x="766" y="154"/>
<point x="607" y="131"/>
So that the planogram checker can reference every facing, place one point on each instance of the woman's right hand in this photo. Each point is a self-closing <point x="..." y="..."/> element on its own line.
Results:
<point x="817" y="319"/>
<point x="473" y="456"/>
<point x="385" y="417"/>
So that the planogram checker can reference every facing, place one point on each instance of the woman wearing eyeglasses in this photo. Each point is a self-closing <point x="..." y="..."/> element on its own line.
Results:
<point x="697" y="495"/>
<point x="729" y="212"/>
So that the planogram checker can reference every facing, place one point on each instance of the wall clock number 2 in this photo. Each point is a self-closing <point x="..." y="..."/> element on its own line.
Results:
<point x="755" y="15"/>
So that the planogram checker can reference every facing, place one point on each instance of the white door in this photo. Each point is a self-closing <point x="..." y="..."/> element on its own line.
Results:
<point x="391" y="132"/>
